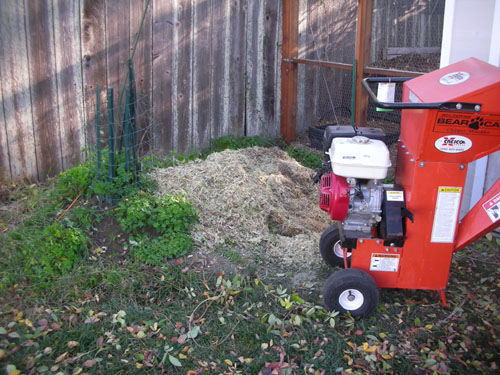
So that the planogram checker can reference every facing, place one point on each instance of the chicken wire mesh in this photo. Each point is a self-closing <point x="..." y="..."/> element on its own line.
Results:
<point x="406" y="35"/>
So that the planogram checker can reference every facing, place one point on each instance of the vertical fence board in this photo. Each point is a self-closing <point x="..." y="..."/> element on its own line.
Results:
<point x="254" y="28"/>
<point x="235" y="86"/>
<point x="117" y="41"/>
<point x="183" y="75"/>
<point x="4" y="146"/>
<point x="69" y="80"/>
<point x="220" y="57"/>
<point x="202" y="26"/>
<point x="163" y="26"/>
<point x="16" y="99"/>
<point x="93" y="41"/>
<point x="143" y="69"/>
<point x="142" y="58"/>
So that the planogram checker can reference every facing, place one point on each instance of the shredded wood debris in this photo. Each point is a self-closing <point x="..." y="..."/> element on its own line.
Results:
<point x="254" y="199"/>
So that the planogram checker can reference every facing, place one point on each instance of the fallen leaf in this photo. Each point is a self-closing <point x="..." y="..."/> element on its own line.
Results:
<point x="228" y="362"/>
<point x="89" y="363"/>
<point x="141" y="334"/>
<point x="72" y="344"/>
<point x="61" y="357"/>
<point x="174" y="361"/>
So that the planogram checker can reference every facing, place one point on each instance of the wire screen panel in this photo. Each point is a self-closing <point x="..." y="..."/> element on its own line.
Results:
<point x="327" y="33"/>
<point x="407" y="34"/>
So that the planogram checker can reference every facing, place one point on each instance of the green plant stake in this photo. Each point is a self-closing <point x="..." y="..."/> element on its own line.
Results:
<point x="133" y="126"/>
<point x="111" y="138"/>
<point x="98" y="132"/>
<point x="111" y="141"/>
<point x="98" y="128"/>
<point x="126" y="132"/>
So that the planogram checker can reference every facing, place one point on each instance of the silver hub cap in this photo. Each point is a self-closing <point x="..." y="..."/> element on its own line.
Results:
<point x="351" y="299"/>
<point x="339" y="251"/>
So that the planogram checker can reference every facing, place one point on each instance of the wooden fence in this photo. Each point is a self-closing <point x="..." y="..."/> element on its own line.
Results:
<point x="209" y="67"/>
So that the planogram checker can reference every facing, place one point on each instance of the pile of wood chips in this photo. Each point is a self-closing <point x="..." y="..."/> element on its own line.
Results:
<point x="254" y="199"/>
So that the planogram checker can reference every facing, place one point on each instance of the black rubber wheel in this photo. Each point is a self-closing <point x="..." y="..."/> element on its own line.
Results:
<point x="331" y="251"/>
<point x="351" y="290"/>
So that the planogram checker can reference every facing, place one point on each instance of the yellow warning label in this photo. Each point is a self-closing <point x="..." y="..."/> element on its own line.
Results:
<point x="447" y="189"/>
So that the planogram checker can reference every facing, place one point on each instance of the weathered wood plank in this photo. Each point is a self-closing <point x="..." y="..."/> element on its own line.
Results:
<point x="220" y="64"/>
<point x="143" y="70"/>
<point x="182" y="75"/>
<point x="39" y="29"/>
<point x="162" y="58"/>
<point x="201" y="107"/>
<point x="255" y="121"/>
<point x="4" y="146"/>
<point x="16" y="99"/>
<point x="235" y="85"/>
<point x="69" y="80"/>
<point x="93" y="39"/>
<point x="117" y="41"/>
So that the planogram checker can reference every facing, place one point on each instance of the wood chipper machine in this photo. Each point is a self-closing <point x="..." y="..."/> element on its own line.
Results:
<point x="403" y="235"/>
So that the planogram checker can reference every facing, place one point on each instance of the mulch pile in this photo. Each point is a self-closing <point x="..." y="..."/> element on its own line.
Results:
<point x="251" y="199"/>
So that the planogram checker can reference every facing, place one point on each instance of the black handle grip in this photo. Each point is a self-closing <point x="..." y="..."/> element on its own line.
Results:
<point x="448" y="106"/>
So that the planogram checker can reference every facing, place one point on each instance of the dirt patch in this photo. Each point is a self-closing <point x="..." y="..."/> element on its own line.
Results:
<point x="253" y="200"/>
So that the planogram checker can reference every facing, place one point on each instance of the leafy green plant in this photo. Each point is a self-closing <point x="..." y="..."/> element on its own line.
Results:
<point x="53" y="252"/>
<point x="171" y="213"/>
<point x="74" y="181"/>
<point x="155" y="251"/>
<point x="169" y="218"/>
<point x="307" y="158"/>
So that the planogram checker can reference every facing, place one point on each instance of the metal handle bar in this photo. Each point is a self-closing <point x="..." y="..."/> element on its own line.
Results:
<point x="448" y="106"/>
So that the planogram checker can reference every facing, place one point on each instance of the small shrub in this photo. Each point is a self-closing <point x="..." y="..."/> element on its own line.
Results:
<point x="172" y="213"/>
<point x="74" y="181"/>
<point x="53" y="252"/>
<point x="169" y="217"/>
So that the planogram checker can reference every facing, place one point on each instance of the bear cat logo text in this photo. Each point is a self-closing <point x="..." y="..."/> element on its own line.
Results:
<point x="474" y="123"/>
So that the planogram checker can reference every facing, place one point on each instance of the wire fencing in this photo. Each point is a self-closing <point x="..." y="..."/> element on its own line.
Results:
<point x="406" y="35"/>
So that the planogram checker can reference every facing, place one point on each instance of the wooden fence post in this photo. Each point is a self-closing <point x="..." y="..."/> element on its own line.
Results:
<point x="363" y="43"/>
<point x="289" y="70"/>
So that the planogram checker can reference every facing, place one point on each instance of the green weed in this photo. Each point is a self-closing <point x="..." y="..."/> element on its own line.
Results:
<point x="307" y="158"/>
<point x="159" y="227"/>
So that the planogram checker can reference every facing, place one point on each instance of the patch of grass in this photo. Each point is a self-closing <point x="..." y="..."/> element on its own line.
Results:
<point x="232" y="255"/>
<point x="307" y="158"/>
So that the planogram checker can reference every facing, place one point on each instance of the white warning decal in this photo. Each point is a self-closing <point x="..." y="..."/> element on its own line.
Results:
<point x="492" y="208"/>
<point x="384" y="262"/>
<point x="446" y="214"/>
<point x="395" y="196"/>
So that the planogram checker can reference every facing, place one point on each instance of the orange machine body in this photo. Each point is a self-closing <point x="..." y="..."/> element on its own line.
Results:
<point x="434" y="149"/>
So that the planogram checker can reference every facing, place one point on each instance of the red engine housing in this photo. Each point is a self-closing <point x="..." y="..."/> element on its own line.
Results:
<point x="334" y="196"/>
